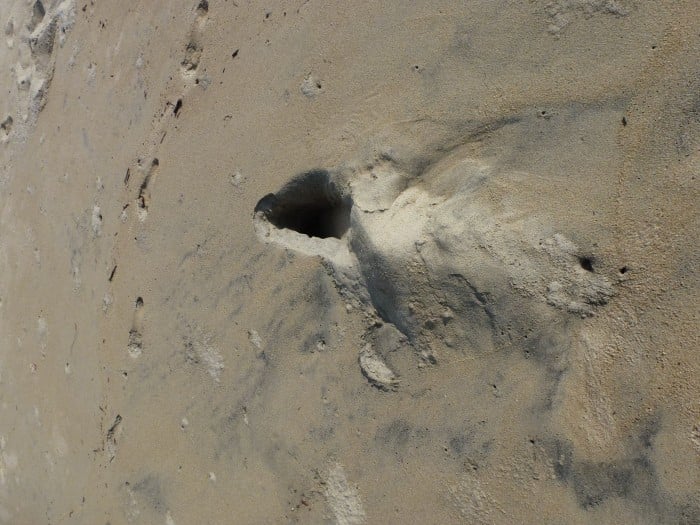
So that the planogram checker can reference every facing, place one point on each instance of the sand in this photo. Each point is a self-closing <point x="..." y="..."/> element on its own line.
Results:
<point x="362" y="262"/>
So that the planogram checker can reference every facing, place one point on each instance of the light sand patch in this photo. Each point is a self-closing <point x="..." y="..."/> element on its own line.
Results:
<point x="343" y="499"/>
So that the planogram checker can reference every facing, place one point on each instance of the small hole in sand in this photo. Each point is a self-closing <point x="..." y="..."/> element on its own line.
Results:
<point x="623" y="270"/>
<point x="586" y="263"/>
<point x="310" y="204"/>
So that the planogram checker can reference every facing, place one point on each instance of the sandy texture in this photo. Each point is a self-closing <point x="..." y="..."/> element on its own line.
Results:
<point x="359" y="262"/>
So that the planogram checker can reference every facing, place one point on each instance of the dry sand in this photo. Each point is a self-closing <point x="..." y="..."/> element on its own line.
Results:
<point x="343" y="262"/>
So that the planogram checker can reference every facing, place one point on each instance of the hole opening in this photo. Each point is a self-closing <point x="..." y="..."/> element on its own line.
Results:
<point x="310" y="204"/>
<point x="586" y="263"/>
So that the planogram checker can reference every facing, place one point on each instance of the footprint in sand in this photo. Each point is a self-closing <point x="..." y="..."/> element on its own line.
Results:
<point x="6" y="128"/>
<point x="144" y="199"/>
<point x="194" y="48"/>
<point x="135" y="346"/>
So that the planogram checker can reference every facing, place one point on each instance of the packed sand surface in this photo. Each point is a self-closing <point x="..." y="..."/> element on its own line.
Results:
<point x="349" y="262"/>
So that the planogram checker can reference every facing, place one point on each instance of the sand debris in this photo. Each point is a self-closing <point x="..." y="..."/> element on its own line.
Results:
<point x="342" y="498"/>
<point x="376" y="370"/>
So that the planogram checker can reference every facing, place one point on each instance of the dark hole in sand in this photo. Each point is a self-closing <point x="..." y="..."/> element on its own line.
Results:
<point x="586" y="263"/>
<point x="310" y="204"/>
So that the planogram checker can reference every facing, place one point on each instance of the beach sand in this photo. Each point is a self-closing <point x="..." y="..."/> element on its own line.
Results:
<point x="349" y="262"/>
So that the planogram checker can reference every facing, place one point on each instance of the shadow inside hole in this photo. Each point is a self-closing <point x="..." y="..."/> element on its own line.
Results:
<point x="586" y="263"/>
<point x="310" y="204"/>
